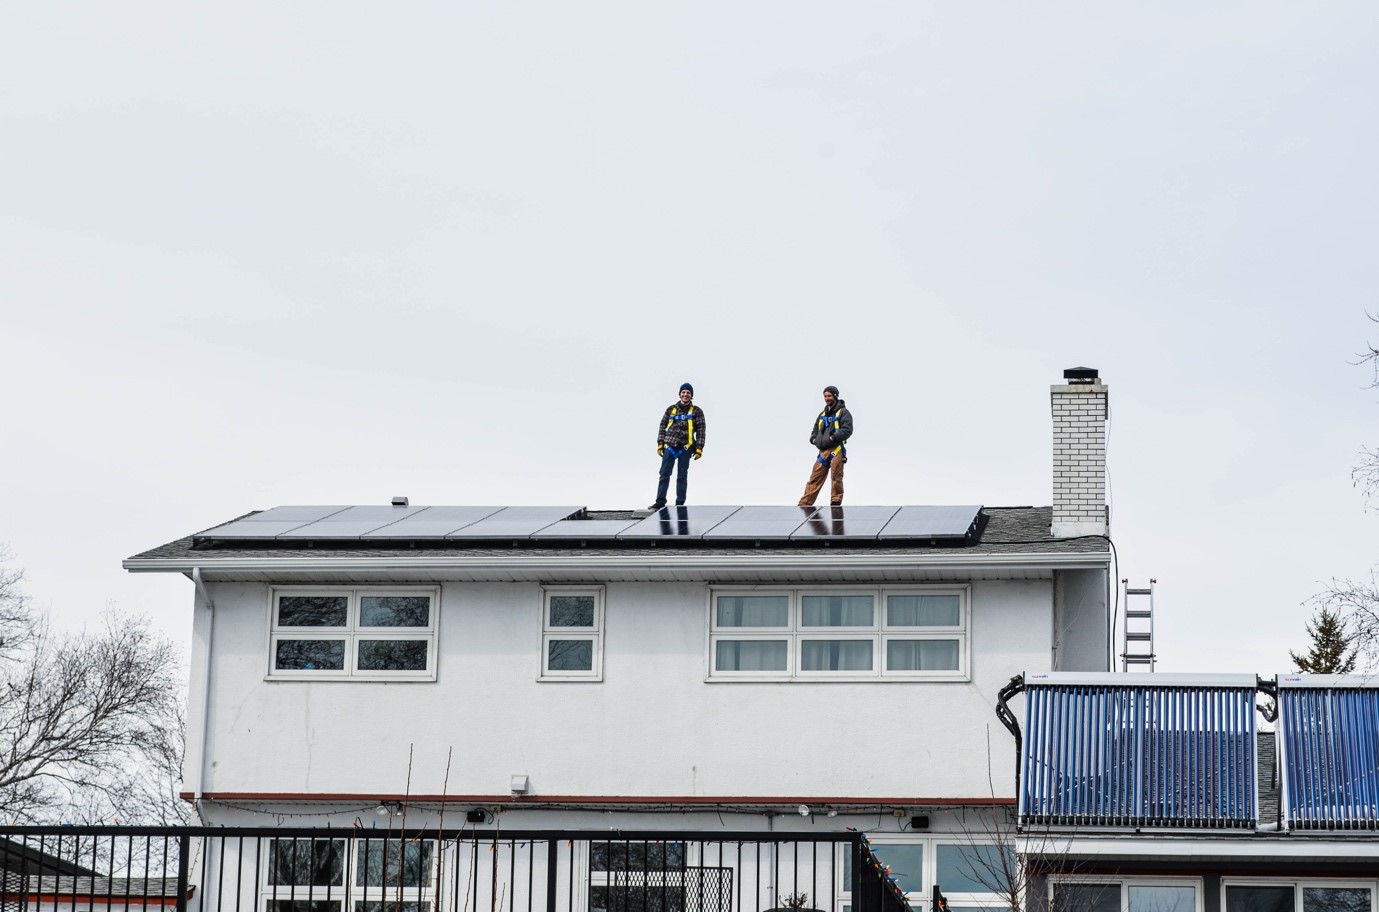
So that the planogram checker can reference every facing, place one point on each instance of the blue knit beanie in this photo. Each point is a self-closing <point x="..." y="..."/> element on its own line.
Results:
<point x="686" y="386"/>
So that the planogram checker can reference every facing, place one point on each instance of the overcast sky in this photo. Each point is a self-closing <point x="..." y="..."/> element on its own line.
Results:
<point x="283" y="253"/>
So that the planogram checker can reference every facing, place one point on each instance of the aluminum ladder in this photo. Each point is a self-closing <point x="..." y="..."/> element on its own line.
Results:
<point x="1138" y="631"/>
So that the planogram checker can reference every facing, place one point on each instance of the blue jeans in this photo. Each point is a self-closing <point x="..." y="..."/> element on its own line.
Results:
<point x="681" y="477"/>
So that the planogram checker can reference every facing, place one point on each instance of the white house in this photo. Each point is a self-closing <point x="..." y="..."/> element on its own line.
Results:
<point x="699" y="669"/>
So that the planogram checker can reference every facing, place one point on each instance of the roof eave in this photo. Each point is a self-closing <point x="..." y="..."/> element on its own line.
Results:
<point x="702" y="562"/>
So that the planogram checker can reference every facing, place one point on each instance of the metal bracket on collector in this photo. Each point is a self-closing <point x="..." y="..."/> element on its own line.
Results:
<point x="1016" y="685"/>
<point x="1269" y="687"/>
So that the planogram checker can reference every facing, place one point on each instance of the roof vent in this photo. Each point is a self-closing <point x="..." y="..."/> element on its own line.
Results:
<point x="1081" y="375"/>
<point x="399" y="501"/>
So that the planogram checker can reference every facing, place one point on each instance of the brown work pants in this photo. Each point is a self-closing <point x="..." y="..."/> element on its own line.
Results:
<point x="816" y="481"/>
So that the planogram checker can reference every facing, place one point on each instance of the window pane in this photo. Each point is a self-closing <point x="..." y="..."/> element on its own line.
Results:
<point x="313" y="610"/>
<point x="306" y="862"/>
<point x="1259" y="899"/>
<point x="394" y="611"/>
<point x="837" y="610"/>
<point x="975" y="869"/>
<point x="753" y="611"/>
<point x="923" y="611"/>
<point x="1335" y="899"/>
<point x="921" y="655"/>
<point x="1147" y="898"/>
<point x="835" y="655"/>
<point x="636" y="856"/>
<point x="389" y="863"/>
<point x="906" y="862"/>
<point x="640" y="898"/>
<point x="304" y="905"/>
<point x="572" y="611"/>
<point x="310" y="655"/>
<point x="1101" y="897"/>
<point x="570" y="655"/>
<point x="750" y="655"/>
<point x="392" y="655"/>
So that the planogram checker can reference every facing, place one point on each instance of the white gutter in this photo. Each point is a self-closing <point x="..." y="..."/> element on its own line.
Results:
<point x="198" y="783"/>
<point x="653" y="560"/>
<point x="1121" y="679"/>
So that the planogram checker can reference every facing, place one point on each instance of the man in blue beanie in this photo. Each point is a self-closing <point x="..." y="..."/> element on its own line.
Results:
<point x="679" y="438"/>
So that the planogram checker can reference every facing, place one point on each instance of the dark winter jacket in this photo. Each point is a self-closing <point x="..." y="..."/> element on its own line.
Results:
<point x="832" y="427"/>
<point x="682" y="426"/>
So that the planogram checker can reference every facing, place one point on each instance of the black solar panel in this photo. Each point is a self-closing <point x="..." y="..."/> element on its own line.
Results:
<point x="845" y="522"/>
<point x="761" y="522"/>
<point x="931" y="522"/>
<point x="270" y="523"/>
<point x="352" y="522"/>
<point x="433" y="522"/>
<point x="516" y="522"/>
<point x="679" y="522"/>
<point x="586" y="528"/>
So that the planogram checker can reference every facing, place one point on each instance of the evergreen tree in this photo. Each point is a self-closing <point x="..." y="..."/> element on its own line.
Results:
<point x="1331" y="652"/>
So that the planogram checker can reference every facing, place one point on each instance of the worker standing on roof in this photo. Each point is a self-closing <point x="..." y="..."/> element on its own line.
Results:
<point x="829" y="436"/>
<point x="679" y="438"/>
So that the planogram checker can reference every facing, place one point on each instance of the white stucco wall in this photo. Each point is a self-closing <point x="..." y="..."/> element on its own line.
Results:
<point x="652" y="727"/>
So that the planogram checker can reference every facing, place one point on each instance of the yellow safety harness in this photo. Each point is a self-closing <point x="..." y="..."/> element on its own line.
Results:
<point x="675" y="416"/>
<point x="825" y="420"/>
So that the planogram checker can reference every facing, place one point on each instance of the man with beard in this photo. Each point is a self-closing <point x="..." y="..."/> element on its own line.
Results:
<point x="829" y="435"/>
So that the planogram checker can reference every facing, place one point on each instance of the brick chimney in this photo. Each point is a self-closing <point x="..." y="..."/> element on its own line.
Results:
<point x="1079" y="454"/>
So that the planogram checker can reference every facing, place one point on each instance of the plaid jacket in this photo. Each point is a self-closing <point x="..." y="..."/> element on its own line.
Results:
<point x="675" y="427"/>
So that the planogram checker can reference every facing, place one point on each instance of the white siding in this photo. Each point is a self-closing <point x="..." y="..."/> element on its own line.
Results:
<point x="652" y="727"/>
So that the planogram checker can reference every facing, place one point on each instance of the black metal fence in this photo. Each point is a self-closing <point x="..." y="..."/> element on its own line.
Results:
<point x="279" y="869"/>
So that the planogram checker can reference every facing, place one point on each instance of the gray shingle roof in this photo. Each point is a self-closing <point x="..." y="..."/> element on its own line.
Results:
<point x="1000" y="530"/>
<point x="113" y="887"/>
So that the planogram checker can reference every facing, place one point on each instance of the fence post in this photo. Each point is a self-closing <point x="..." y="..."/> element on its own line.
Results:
<point x="552" y="857"/>
<point x="184" y="851"/>
<point x="860" y="893"/>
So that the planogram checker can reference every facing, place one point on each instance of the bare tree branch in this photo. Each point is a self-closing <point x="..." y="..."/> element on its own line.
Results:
<point x="90" y="723"/>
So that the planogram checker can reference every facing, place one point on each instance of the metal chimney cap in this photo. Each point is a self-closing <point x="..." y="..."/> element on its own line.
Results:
<point x="1081" y="375"/>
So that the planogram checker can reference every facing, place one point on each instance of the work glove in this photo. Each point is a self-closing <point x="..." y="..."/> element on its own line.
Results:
<point x="660" y="449"/>
<point x="698" y="453"/>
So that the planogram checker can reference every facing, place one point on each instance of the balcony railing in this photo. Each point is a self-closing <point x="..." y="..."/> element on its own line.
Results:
<point x="72" y="869"/>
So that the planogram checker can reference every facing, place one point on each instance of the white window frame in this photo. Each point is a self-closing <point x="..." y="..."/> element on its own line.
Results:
<point x="352" y="632"/>
<point x="1125" y="883"/>
<point x="1299" y="883"/>
<point x="919" y="898"/>
<point x="593" y="634"/>
<point x="348" y="893"/>
<point x="978" y="899"/>
<point x="795" y="634"/>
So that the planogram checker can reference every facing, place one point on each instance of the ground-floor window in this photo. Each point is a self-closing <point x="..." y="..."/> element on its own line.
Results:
<point x="1130" y="895"/>
<point x="1298" y="896"/>
<point x="656" y="877"/>
<point x="334" y="875"/>
<point x="971" y="875"/>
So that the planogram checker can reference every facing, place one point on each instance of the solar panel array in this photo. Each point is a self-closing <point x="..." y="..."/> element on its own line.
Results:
<point x="703" y="523"/>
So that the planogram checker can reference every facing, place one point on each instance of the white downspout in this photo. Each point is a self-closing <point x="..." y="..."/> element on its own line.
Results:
<point x="199" y="773"/>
